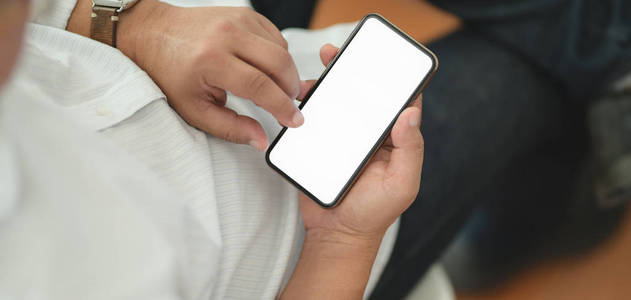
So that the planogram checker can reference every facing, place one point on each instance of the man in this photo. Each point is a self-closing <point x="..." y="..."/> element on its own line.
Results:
<point x="108" y="194"/>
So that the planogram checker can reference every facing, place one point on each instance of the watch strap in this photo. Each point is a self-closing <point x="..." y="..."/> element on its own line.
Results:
<point x="104" y="24"/>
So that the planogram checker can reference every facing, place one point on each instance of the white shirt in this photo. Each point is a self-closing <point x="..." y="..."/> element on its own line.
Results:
<point x="110" y="195"/>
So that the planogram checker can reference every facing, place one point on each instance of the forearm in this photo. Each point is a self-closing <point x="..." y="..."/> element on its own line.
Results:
<point x="79" y="21"/>
<point x="332" y="267"/>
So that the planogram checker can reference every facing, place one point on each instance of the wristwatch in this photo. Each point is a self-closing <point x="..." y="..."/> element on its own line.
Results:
<point x="105" y="14"/>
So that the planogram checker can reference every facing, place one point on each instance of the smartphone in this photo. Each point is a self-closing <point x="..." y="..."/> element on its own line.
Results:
<point x="351" y="109"/>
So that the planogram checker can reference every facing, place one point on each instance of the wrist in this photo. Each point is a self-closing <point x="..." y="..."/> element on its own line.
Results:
<point x="339" y="245"/>
<point x="332" y="265"/>
<point x="132" y="26"/>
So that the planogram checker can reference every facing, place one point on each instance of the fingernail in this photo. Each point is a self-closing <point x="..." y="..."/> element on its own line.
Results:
<point x="298" y="118"/>
<point x="415" y="119"/>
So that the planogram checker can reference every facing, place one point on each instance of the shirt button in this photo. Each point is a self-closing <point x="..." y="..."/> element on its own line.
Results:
<point x="103" y="111"/>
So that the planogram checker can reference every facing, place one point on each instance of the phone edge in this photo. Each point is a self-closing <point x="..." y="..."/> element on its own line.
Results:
<point x="347" y="187"/>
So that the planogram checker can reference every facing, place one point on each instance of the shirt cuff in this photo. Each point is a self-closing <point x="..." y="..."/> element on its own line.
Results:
<point x="57" y="14"/>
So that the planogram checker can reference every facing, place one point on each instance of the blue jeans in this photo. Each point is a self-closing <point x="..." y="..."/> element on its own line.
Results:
<point x="584" y="44"/>
<point x="504" y="120"/>
<point x="486" y="109"/>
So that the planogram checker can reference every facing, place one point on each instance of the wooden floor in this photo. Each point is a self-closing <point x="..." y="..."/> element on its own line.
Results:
<point x="603" y="274"/>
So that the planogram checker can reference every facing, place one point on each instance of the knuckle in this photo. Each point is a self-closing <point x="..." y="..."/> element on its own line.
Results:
<point x="294" y="86"/>
<point x="226" y="25"/>
<point x="284" y="43"/>
<point x="257" y="83"/>
<point x="286" y="61"/>
<point x="231" y="134"/>
<point x="204" y="59"/>
<point x="198" y="123"/>
<point x="209" y="53"/>
<point x="286" y="66"/>
<point x="281" y="106"/>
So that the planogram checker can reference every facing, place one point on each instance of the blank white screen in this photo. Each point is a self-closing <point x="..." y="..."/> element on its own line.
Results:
<point x="350" y="110"/>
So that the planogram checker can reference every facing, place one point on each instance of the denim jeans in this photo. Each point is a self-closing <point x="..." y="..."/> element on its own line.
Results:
<point x="487" y="109"/>
<point x="504" y="119"/>
<point x="504" y="116"/>
<point x="585" y="44"/>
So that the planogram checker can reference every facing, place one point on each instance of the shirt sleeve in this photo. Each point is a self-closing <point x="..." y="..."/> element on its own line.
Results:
<point x="57" y="14"/>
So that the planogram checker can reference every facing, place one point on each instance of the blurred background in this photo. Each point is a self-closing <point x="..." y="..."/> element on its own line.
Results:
<point x="531" y="107"/>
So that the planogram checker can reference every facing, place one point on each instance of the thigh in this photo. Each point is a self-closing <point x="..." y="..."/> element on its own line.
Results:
<point x="485" y="107"/>
<point x="585" y="44"/>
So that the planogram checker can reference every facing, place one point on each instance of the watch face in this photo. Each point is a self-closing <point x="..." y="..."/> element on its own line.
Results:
<point x="121" y="4"/>
<point x="129" y="3"/>
<point x="108" y="3"/>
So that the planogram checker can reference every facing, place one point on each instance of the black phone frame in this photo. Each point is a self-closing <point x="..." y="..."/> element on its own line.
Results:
<point x="384" y="135"/>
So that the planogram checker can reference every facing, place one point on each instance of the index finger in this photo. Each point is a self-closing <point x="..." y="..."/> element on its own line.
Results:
<point x="245" y="81"/>
<point x="271" y="59"/>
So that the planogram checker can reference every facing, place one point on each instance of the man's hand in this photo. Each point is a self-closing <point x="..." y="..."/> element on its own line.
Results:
<point x="341" y="243"/>
<point x="388" y="185"/>
<point x="196" y="55"/>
